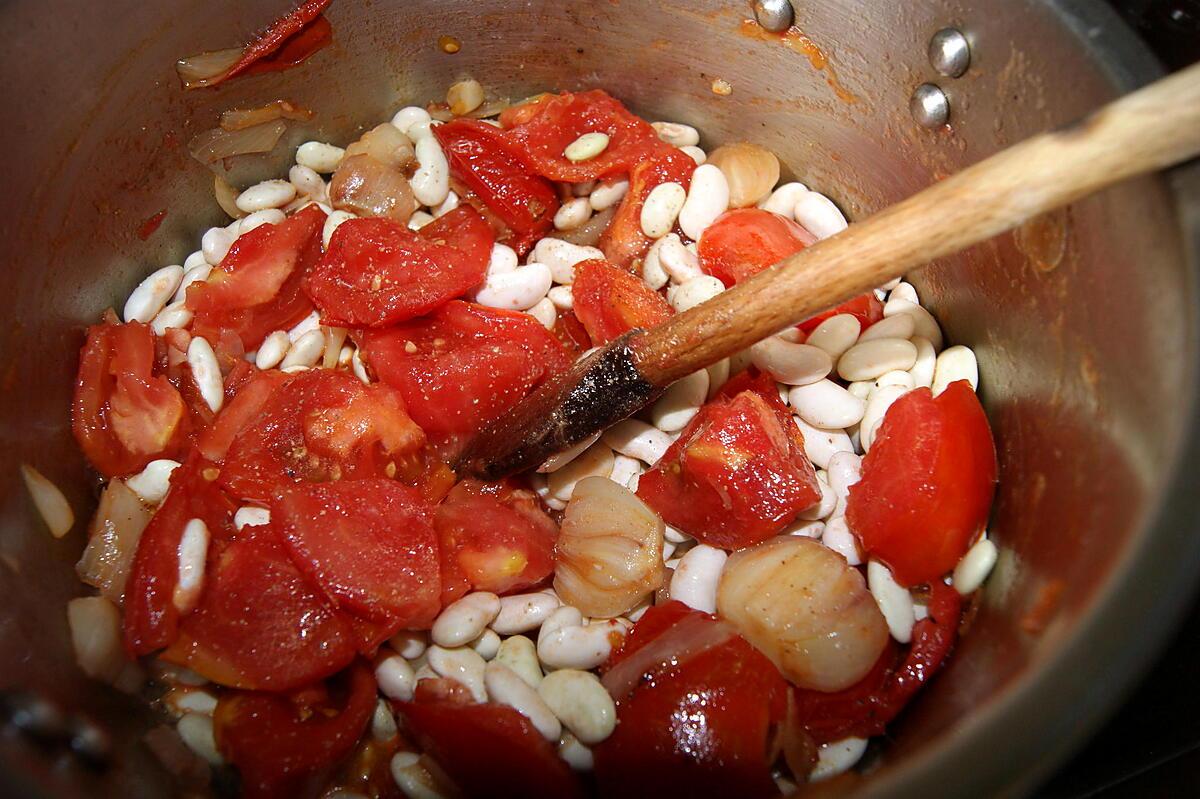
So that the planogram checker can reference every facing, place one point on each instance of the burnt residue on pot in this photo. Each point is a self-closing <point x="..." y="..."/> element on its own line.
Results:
<point x="798" y="42"/>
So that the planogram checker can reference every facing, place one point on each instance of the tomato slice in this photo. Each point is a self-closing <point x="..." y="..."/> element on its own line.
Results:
<point x="481" y="157"/>
<point x="866" y="308"/>
<point x="123" y="415"/>
<point x="369" y="544"/>
<point x="256" y="289"/>
<point x="745" y="241"/>
<point x="557" y="121"/>
<point x="624" y="242"/>
<point x="377" y="272"/>
<point x="698" y="721"/>
<point x="867" y="707"/>
<point x="260" y="625"/>
<point x="610" y="301"/>
<point x="927" y="483"/>
<point x="151" y="616"/>
<point x="463" y="366"/>
<point x="494" y="537"/>
<point x="283" y="746"/>
<point x="571" y="334"/>
<point x="241" y="407"/>
<point x="736" y="475"/>
<point x="490" y="751"/>
<point x="320" y="425"/>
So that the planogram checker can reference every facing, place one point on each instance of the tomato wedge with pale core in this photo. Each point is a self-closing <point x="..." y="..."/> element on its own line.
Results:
<point x="736" y="475"/>
<point x="609" y="301"/>
<point x="927" y="483"/>
<point x="376" y="272"/>
<point x="696" y="707"/>
<point x="286" y="746"/>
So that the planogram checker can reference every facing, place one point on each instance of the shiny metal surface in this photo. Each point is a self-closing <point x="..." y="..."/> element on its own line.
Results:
<point x="774" y="15"/>
<point x="1085" y="324"/>
<point x="949" y="52"/>
<point x="929" y="106"/>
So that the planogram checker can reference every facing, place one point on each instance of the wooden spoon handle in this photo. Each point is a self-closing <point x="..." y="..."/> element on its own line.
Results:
<point x="1150" y="129"/>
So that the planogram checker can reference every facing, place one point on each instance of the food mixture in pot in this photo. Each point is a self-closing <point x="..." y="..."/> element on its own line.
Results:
<point x="729" y="594"/>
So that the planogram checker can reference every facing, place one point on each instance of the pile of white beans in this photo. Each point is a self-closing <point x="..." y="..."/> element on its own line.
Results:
<point x="530" y="651"/>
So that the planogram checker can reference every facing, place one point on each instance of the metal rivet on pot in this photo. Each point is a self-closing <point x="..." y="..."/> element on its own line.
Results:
<point x="36" y="717"/>
<point x="929" y="106"/>
<point x="774" y="15"/>
<point x="949" y="52"/>
<point x="90" y="743"/>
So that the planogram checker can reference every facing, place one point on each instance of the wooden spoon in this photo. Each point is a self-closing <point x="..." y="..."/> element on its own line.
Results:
<point x="1152" y="128"/>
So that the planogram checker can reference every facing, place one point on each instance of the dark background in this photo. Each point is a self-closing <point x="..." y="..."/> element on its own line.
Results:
<point x="1151" y="748"/>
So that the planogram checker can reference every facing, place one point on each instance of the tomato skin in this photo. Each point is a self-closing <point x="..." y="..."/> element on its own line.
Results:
<point x="698" y="728"/>
<point x="624" y="242"/>
<point x="122" y="414"/>
<point x="610" y="301"/>
<point x="490" y="751"/>
<point x="151" y="617"/>
<point x="745" y="241"/>
<point x="242" y="404"/>
<point x="263" y="53"/>
<point x="376" y="272"/>
<point x="256" y="289"/>
<point x="260" y="625"/>
<point x="481" y="157"/>
<point x="927" y="483"/>
<point x="557" y="120"/>
<point x="319" y="425"/>
<point x="736" y="475"/>
<point x="494" y="537"/>
<point x="369" y="544"/>
<point x="284" y="747"/>
<point x="463" y="366"/>
<point x="571" y="333"/>
<point x="865" y="307"/>
<point x="866" y="708"/>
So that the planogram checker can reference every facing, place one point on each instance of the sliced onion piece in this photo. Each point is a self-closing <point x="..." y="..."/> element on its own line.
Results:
<point x="386" y="144"/>
<point x="239" y="119"/>
<point x="692" y="636"/>
<point x="588" y="234"/>
<point x="217" y="144"/>
<point x="608" y="557"/>
<point x="367" y="187"/>
<point x="112" y="540"/>
<point x="49" y="500"/>
<point x="96" y="637"/>
<point x="227" y="197"/>
<point x="205" y="69"/>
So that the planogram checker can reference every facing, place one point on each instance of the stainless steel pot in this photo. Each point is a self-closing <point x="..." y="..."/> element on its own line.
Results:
<point x="1086" y="328"/>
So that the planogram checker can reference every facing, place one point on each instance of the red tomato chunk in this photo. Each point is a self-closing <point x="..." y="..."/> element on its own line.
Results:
<point x="745" y="241"/>
<point x="866" y="308"/>
<point x="926" y="485"/>
<point x="609" y="301"/>
<point x="624" y="242"/>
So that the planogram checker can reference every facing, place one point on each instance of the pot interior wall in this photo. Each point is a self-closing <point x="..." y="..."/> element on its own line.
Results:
<point x="1070" y="338"/>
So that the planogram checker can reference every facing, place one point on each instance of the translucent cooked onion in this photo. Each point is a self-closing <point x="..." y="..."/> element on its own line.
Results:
<point x="609" y="552"/>
<point x="806" y="609"/>
<point x="204" y="69"/>
<point x="588" y="234"/>
<point x="217" y="144"/>
<point x="112" y="539"/>
<point x="49" y="500"/>
<point x="387" y="145"/>
<point x="750" y="170"/>
<point x="490" y="108"/>
<point x="367" y="187"/>
<point x="227" y="197"/>
<point x="239" y="119"/>
<point x="683" y="641"/>
<point x="96" y="637"/>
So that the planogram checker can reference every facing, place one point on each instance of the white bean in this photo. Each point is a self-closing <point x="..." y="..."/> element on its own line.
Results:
<point x="718" y="373"/>
<point x="306" y="350"/>
<point x="196" y="730"/>
<point x="877" y="405"/>
<point x="676" y="133"/>
<point x="955" y="363"/>
<point x="561" y="256"/>
<point x="637" y="440"/>
<point x="359" y="368"/>
<point x="576" y="755"/>
<point x="608" y="193"/>
<point x="487" y="644"/>
<point x="564" y="643"/>
<point x="817" y="214"/>
<point x="572" y="214"/>
<point x="826" y="404"/>
<point x="825" y="505"/>
<point x="216" y="241"/>
<point x="319" y="156"/>
<point x="412" y="777"/>
<point x="189" y="700"/>
<point x="868" y="360"/>
<point x="562" y="298"/>
<point x="447" y="205"/>
<point x="899" y="326"/>
<point x="904" y="291"/>
<point x="418" y="220"/>
<point x="561" y="459"/>
<point x="581" y="703"/>
<point x="820" y="444"/>
<point x="838" y="537"/>
<point x="506" y="687"/>
<point x="545" y="312"/>
<point x="926" y="364"/>
<point x="680" y="402"/>
<point x="268" y="194"/>
<point x="152" y="482"/>
<point x="626" y="471"/>
<point x="431" y="182"/>
<point x="332" y="223"/>
<point x="408" y="116"/>
<point x="464" y="620"/>
<point x="410" y="644"/>
<point x="925" y="325"/>
<point x="273" y="349"/>
<point x="793" y="364"/>
<point x="206" y="372"/>
<point x="307" y="182"/>
<point x="805" y="528"/>
<point x="696" y="291"/>
<point x="521" y="613"/>
<point x="845" y="469"/>
<point x="250" y="516"/>
<point x="974" y="567"/>
<point x="586" y="147"/>
<point x="895" y="378"/>
<point x="661" y="208"/>
<point x="520" y="654"/>
<point x="152" y="294"/>
<point x="396" y="678"/>
<point x="695" y="153"/>
<point x="680" y="263"/>
<point x="192" y="553"/>
<point x="383" y="726"/>
<point x="596" y="460"/>
<point x="783" y="200"/>
<point x="694" y="582"/>
<point x="503" y="259"/>
<point x="518" y="290"/>
<point x="177" y="314"/>
<point x="894" y="600"/>
<point x="191" y="274"/>
<point x="837" y="757"/>
<point x="581" y="189"/>
<point x="194" y="260"/>
<point x="461" y="664"/>
<point x="707" y="199"/>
